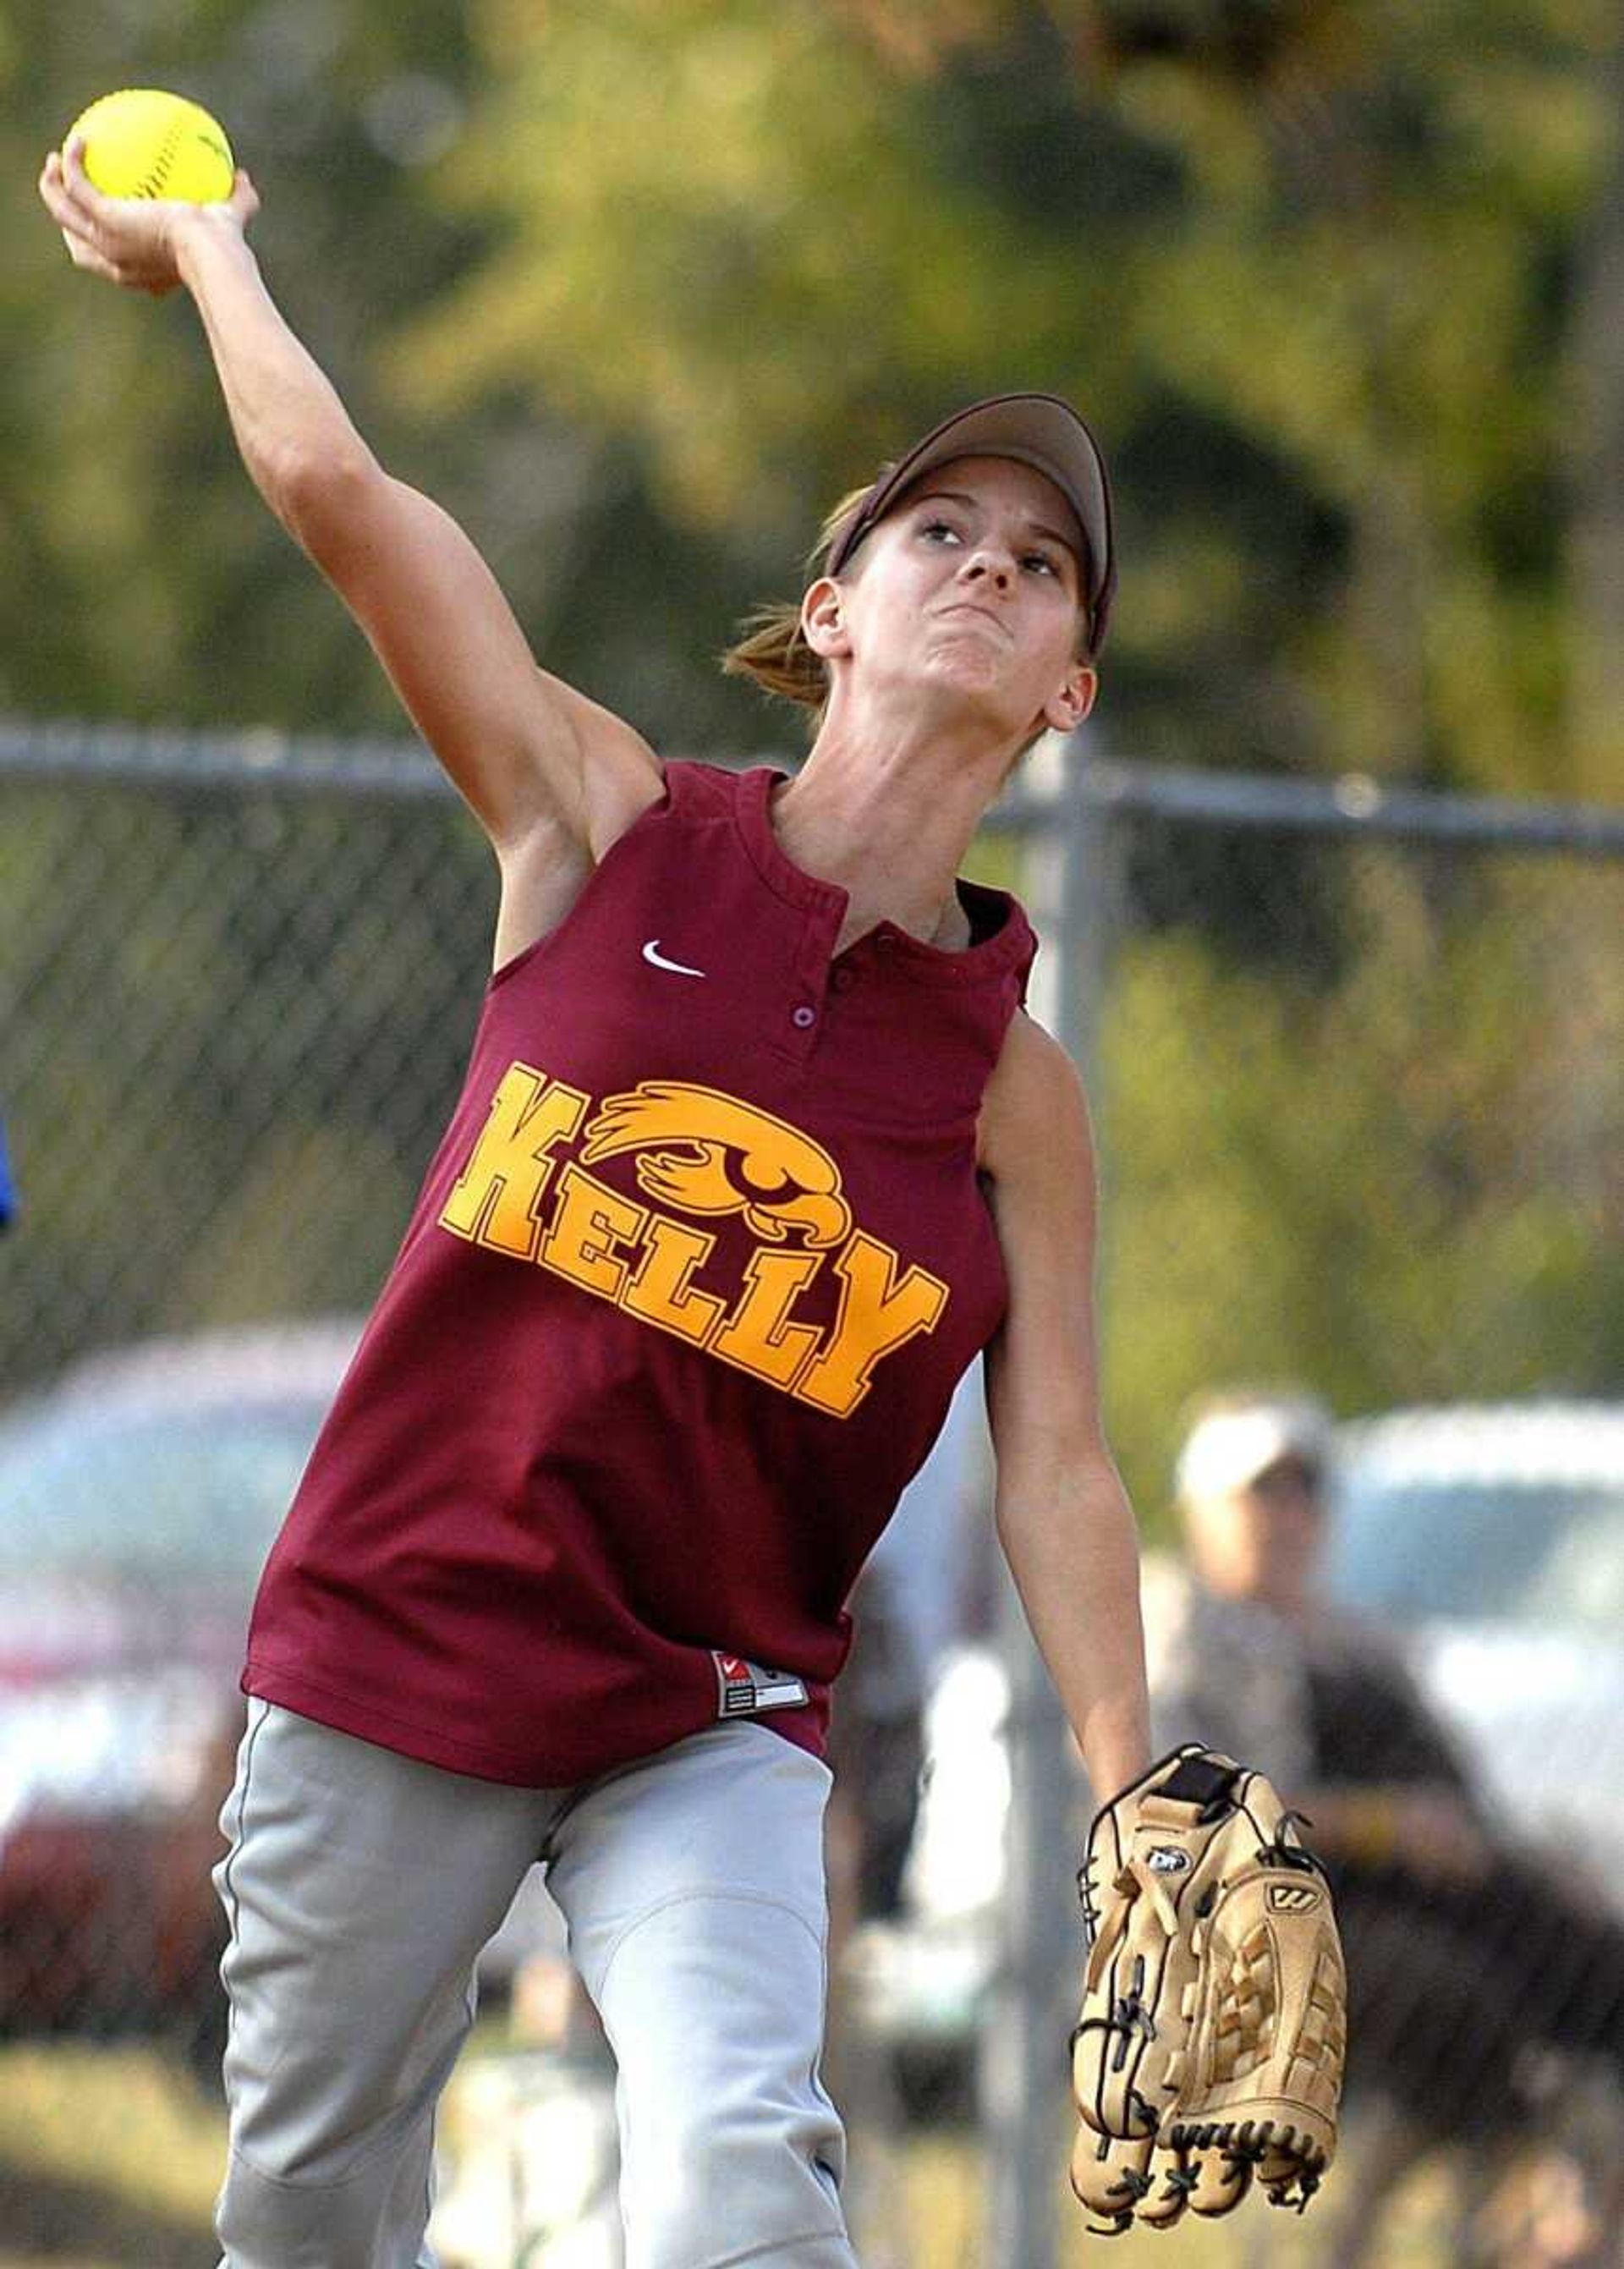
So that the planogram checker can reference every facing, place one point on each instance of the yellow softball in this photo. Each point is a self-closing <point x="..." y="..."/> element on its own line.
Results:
<point x="142" y="142"/>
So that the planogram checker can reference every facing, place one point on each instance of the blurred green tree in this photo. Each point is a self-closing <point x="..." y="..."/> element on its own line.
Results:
<point x="1393" y="1184"/>
<point x="636" y="286"/>
<point x="1314" y="268"/>
<point x="142" y="577"/>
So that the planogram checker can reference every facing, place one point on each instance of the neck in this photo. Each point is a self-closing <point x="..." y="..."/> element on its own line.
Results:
<point x="890" y="816"/>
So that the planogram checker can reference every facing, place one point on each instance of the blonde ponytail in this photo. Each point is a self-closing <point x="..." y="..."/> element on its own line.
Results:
<point x="772" y="650"/>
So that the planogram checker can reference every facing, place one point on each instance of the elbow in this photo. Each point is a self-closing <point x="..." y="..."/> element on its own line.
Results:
<point x="321" y="495"/>
<point x="1080" y="1493"/>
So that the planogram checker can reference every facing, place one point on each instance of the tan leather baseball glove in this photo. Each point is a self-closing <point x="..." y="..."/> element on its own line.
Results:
<point x="1210" y="2044"/>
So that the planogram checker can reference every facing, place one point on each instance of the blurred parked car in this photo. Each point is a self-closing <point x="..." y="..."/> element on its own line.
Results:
<point x="138" y="1497"/>
<point x="1492" y="1538"/>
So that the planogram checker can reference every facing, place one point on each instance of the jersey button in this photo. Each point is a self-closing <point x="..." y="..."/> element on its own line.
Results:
<point x="803" y="1018"/>
<point x="844" y="978"/>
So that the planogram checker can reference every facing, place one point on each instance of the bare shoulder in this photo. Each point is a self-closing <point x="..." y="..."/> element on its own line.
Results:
<point x="1034" y="1115"/>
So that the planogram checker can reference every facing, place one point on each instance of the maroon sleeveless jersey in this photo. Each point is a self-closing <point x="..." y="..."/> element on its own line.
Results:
<point x="680" y="1310"/>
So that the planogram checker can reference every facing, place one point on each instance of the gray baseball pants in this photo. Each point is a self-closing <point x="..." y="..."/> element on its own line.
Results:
<point x="361" y="1886"/>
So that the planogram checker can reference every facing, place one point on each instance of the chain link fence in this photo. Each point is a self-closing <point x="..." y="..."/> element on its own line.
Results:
<point x="1357" y="1068"/>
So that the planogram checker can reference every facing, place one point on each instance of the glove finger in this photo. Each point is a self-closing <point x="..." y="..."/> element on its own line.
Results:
<point x="1107" y="2054"/>
<point x="1110" y="2178"/>
<point x="1173" y="2181"/>
<point x="1222" y="2179"/>
<point x="1288" y="2178"/>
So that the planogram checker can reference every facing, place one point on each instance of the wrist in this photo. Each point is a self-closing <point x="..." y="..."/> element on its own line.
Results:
<point x="1116" y="1750"/>
<point x="199" y="233"/>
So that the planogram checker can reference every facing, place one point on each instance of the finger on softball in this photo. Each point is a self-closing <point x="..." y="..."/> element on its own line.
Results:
<point x="50" y="183"/>
<point x="79" y="186"/>
<point x="72" y="225"/>
<point x="63" y="179"/>
<point x="77" y="228"/>
<point x="67" y="216"/>
<point x="88" y="255"/>
<point x="72" y="164"/>
<point x="85" y="255"/>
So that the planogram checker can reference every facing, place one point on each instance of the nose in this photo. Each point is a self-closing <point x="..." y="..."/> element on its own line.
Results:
<point x="987" y="560"/>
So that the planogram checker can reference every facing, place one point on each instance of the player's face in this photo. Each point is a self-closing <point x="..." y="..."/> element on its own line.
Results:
<point x="972" y="586"/>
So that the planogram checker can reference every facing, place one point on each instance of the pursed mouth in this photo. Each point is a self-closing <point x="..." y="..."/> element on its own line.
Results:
<point x="983" y="614"/>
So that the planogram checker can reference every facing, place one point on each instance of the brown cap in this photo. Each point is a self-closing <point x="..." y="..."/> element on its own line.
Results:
<point x="1035" y="429"/>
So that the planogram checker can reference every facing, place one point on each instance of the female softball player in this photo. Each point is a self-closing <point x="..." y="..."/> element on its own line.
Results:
<point x="758" y="1151"/>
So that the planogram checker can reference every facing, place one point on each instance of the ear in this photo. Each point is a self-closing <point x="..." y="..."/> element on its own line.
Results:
<point x="1072" y="700"/>
<point x="822" y="619"/>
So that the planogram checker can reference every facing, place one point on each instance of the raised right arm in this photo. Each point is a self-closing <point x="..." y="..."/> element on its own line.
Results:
<point x="552" y="777"/>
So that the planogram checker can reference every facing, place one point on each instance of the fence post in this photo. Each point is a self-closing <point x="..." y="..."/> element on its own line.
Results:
<point x="1022" y="2073"/>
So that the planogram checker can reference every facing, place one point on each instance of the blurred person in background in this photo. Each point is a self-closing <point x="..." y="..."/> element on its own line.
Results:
<point x="1471" y="1963"/>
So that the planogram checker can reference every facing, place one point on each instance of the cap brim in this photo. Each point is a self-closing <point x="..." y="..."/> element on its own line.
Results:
<point x="1039" y="430"/>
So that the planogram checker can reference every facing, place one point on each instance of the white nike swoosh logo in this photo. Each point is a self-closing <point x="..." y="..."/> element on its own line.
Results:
<point x="652" y="953"/>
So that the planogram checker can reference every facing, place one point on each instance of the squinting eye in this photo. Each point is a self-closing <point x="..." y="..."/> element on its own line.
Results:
<point x="938" y="527"/>
<point x="1040" y="559"/>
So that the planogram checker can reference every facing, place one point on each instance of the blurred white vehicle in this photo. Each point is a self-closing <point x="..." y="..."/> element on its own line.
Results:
<point x="1491" y="1537"/>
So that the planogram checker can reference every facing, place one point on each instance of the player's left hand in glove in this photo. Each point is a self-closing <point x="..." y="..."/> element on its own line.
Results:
<point x="1210" y="2044"/>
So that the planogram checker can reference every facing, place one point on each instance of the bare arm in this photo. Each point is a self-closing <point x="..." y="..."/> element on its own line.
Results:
<point x="552" y="777"/>
<point x="1063" y="1518"/>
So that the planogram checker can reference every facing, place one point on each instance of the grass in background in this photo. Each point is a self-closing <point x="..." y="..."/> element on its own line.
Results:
<point x="109" y="2159"/>
<point x="943" y="2173"/>
<point x="107" y="2155"/>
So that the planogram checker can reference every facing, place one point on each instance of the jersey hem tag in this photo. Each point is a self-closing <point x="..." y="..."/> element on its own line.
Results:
<point x="742" y="1687"/>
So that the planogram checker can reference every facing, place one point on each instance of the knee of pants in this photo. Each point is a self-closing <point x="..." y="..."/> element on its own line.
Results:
<point x="730" y="2147"/>
<point x="378" y="2212"/>
<point x="739" y="2185"/>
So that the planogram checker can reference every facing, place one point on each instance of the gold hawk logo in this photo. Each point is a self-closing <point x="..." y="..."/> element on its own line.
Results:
<point x="705" y="1154"/>
<point x="724" y="1157"/>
